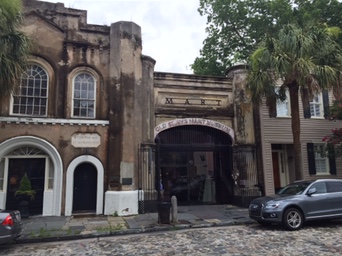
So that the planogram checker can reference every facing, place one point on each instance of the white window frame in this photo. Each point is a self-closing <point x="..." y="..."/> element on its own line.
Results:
<point x="49" y="174"/>
<point x="3" y="174"/>
<point x="83" y="99"/>
<point x="316" y="105"/>
<point x="283" y="106"/>
<point x="321" y="162"/>
<point x="36" y="99"/>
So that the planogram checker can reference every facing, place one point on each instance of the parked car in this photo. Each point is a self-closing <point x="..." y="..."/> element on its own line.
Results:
<point x="299" y="202"/>
<point x="10" y="227"/>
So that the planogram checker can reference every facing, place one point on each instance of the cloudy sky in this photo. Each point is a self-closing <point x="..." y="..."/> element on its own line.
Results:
<point x="172" y="30"/>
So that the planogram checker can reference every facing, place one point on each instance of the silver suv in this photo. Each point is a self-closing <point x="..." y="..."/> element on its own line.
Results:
<point x="299" y="202"/>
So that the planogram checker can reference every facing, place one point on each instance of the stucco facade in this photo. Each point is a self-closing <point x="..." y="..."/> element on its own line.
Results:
<point x="96" y="119"/>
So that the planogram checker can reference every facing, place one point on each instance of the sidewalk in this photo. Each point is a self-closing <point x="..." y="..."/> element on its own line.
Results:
<point x="41" y="229"/>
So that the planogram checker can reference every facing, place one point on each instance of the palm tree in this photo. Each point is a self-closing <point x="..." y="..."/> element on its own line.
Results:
<point x="305" y="60"/>
<point x="14" y="46"/>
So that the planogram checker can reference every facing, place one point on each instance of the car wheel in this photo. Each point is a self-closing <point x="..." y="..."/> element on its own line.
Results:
<point x="293" y="219"/>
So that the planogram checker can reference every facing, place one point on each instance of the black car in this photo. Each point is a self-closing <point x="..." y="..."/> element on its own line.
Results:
<point x="10" y="226"/>
<point x="299" y="202"/>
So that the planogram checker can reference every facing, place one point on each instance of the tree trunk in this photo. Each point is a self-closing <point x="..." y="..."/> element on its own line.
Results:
<point x="295" y="123"/>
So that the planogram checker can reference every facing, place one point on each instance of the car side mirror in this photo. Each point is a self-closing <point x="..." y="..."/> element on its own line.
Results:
<point x="312" y="191"/>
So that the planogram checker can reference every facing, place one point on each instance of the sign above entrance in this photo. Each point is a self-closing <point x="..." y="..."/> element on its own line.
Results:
<point x="85" y="140"/>
<point x="193" y="121"/>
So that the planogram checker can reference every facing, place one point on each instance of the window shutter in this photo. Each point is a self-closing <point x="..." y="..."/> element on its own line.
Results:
<point x="332" y="161"/>
<point x="325" y="96"/>
<point x="272" y="107"/>
<point x="311" y="158"/>
<point x="306" y="103"/>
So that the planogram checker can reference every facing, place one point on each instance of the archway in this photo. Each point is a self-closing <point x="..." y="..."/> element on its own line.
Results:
<point x="70" y="182"/>
<point x="53" y="192"/>
<point x="194" y="163"/>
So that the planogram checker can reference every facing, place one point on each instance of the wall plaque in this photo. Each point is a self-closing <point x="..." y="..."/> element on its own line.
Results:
<point x="86" y="140"/>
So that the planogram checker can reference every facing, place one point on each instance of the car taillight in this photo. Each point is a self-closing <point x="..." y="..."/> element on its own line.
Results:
<point x="8" y="221"/>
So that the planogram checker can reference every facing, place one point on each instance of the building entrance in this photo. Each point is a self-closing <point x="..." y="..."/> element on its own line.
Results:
<point x="34" y="169"/>
<point x="85" y="188"/>
<point x="194" y="163"/>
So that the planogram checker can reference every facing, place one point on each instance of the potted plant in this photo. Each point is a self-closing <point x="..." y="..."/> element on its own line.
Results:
<point x="26" y="194"/>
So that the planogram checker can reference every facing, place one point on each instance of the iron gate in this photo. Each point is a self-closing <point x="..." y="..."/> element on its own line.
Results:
<point x="147" y="193"/>
<point x="183" y="151"/>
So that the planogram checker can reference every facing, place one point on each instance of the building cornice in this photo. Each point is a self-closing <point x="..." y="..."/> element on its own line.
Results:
<point x="53" y="121"/>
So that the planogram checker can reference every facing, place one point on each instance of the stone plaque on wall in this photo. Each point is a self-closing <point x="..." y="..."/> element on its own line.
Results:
<point x="85" y="140"/>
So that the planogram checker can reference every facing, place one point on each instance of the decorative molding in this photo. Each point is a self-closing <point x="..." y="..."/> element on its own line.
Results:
<point x="53" y="121"/>
<point x="55" y="202"/>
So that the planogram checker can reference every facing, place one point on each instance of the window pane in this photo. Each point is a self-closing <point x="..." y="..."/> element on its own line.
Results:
<point x="34" y="83"/>
<point x="320" y="160"/>
<point x="2" y="173"/>
<point x="316" y="106"/>
<point x="77" y="94"/>
<point x="334" y="186"/>
<point x="84" y="88"/>
<point x="283" y="106"/>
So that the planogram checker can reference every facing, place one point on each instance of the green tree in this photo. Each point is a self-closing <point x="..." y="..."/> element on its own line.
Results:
<point x="306" y="59"/>
<point x="333" y="140"/>
<point x="14" y="46"/>
<point x="236" y="27"/>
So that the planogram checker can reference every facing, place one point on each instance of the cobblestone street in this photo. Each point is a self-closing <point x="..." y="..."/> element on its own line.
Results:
<point x="313" y="239"/>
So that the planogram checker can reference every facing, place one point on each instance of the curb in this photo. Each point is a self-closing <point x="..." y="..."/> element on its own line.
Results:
<point x="167" y="227"/>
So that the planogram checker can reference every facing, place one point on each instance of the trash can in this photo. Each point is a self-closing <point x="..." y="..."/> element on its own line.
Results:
<point x="164" y="212"/>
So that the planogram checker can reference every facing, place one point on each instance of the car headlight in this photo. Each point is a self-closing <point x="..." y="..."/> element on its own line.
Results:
<point x="272" y="205"/>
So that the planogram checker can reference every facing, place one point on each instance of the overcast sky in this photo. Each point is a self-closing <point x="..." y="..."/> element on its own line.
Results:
<point x="172" y="30"/>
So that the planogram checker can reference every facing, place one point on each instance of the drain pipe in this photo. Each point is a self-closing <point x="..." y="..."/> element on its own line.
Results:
<point x="174" y="216"/>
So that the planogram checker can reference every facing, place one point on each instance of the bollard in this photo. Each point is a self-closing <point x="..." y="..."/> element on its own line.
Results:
<point x="174" y="215"/>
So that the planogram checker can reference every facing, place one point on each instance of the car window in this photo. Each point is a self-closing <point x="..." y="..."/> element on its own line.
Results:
<point x="294" y="188"/>
<point x="321" y="187"/>
<point x="334" y="186"/>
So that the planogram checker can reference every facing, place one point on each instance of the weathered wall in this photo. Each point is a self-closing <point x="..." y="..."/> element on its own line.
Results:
<point x="183" y="96"/>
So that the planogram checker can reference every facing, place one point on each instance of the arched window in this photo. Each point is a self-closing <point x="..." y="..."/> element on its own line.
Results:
<point x="84" y="96"/>
<point x="31" y="96"/>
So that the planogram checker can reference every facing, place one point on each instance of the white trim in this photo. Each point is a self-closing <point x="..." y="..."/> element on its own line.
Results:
<point x="69" y="193"/>
<point x="80" y="72"/>
<point x="281" y="104"/>
<point x="282" y="166"/>
<point x="29" y="120"/>
<point x="16" y="142"/>
<point x="320" y="104"/>
<point x="49" y="72"/>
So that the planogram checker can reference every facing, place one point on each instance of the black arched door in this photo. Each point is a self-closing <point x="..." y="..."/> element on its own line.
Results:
<point x="85" y="188"/>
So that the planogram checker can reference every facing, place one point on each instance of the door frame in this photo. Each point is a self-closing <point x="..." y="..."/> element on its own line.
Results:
<point x="46" y="173"/>
<point x="52" y="203"/>
<point x="283" y="166"/>
<point x="69" y="193"/>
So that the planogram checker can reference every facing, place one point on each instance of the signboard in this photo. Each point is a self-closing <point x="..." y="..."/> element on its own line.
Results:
<point x="193" y="121"/>
<point x="86" y="140"/>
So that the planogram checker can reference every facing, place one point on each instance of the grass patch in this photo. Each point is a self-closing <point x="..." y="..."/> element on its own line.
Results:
<point x="117" y="227"/>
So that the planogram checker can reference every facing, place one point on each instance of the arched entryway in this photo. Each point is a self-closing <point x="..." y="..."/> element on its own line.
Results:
<point x="194" y="163"/>
<point x="34" y="168"/>
<point x="42" y="163"/>
<point x="84" y="182"/>
<point x="85" y="188"/>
